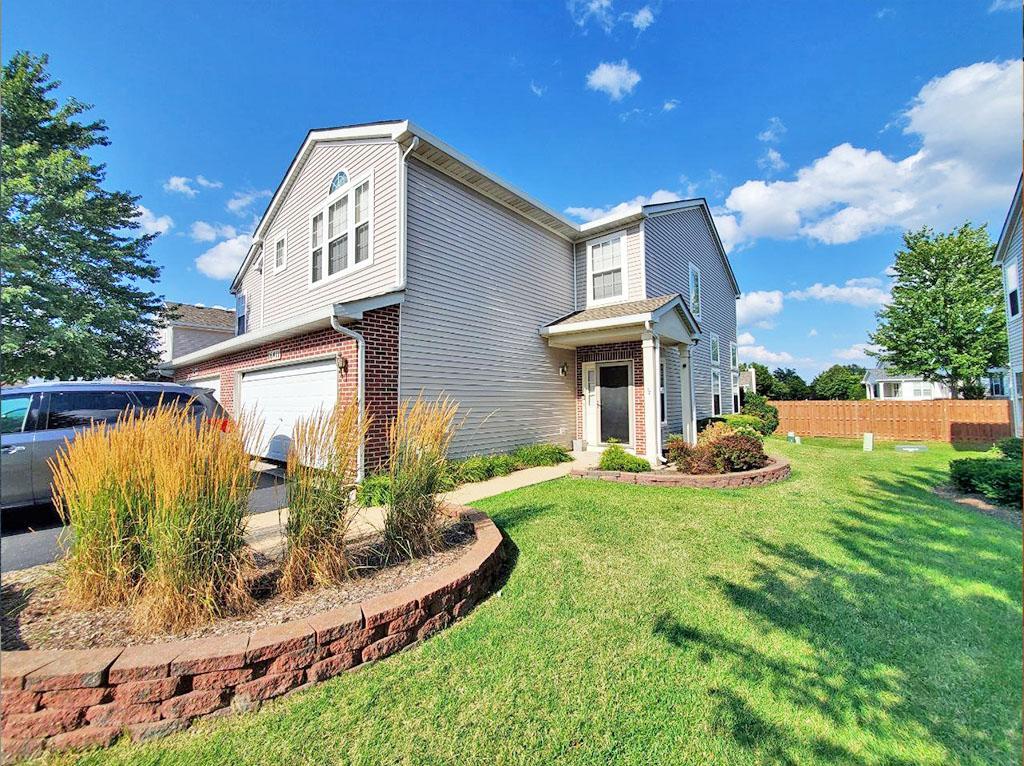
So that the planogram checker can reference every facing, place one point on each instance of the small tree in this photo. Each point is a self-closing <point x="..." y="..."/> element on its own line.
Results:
<point x="788" y="385"/>
<point x="71" y="301"/>
<point x="840" y="381"/>
<point x="946" y="320"/>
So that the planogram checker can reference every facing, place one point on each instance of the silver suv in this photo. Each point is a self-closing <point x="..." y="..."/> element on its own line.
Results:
<point x="36" y="419"/>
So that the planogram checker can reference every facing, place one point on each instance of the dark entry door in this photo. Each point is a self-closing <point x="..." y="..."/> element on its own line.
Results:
<point x="614" y="382"/>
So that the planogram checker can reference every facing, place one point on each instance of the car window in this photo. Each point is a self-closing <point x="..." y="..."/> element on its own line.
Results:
<point x="14" y="412"/>
<point x="71" y="409"/>
<point x="149" y="400"/>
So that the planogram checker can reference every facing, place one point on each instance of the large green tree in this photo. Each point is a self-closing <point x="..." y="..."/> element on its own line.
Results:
<point x="788" y="385"/>
<point x="74" y="298"/>
<point x="946" y="320"/>
<point x="840" y="381"/>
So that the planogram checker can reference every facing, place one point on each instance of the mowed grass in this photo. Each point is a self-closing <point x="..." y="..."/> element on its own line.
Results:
<point x="846" y="616"/>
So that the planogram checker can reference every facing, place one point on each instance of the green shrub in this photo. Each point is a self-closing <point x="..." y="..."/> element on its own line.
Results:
<point x="714" y="432"/>
<point x="676" y="447"/>
<point x="738" y="452"/>
<point x="615" y="458"/>
<point x="727" y="452"/>
<point x="748" y="421"/>
<point x="997" y="480"/>
<point x="533" y="455"/>
<point x="472" y="469"/>
<point x="758" y="406"/>
<point x="501" y="465"/>
<point x="374" y="490"/>
<point x="1010" y="448"/>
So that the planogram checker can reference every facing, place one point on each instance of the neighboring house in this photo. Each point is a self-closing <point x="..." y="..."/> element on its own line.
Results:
<point x="881" y="384"/>
<point x="193" y="327"/>
<point x="1008" y="258"/>
<point x="388" y="266"/>
<point x="748" y="381"/>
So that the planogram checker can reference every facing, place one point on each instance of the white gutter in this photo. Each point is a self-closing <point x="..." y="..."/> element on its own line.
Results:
<point x="403" y="195"/>
<point x="360" y="386"/>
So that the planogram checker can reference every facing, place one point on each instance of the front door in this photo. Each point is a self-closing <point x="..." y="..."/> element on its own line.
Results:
<point x="613" y="382"/>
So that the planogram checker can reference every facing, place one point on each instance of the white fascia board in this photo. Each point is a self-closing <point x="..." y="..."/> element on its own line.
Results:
<point x="677" y="303"/>
<point x="1013" y="218"/>
<point x="596" y="324"/>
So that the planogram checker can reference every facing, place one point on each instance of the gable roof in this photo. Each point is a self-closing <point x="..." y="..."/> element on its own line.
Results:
<point x="192" y="315"/>
<point x="619" y="314"/>
<point x="1013" y="218"/>
<point x="439" y="155"/>
<point x="615" y="310"/>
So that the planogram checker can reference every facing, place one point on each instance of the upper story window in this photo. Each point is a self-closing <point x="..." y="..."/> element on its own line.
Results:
<point x="339" y="180"/>
<point x="716" y="350"/>
<point x="240" y="314"/>
<point x="340" y="232"/>
<point x="1012" y="279"/>
<point x="695" y="291"/>
<point x="733" y="361"/>
<point x="606" y="268"/>
<point x="280" y="253"/>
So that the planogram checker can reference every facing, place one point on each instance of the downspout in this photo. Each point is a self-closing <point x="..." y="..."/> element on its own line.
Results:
<point x="404" y="197"/>
<point x="360" y="387"/>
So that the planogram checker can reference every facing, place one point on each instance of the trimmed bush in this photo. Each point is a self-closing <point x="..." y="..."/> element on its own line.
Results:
<point x="758" y="406"/>
<point x="721" y="451"/>
<point x="714" y="432"/>
<point x="738" y="452"/>
<point x="534" y="455"/>
<point x="1010" y="448"/>
<point x="997" y="480"/>
<point x="374" y="490"/>
<point x="615" y="458"/>
<point x="476" y="468"/>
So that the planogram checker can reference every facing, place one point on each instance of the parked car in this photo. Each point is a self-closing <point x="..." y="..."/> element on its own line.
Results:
<point x="37" y="419"/>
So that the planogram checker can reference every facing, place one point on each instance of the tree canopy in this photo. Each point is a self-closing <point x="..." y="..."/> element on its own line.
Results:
<point x="74" y="300"/>
<point x="946" y="320"/>
<point x="840" y="381"/>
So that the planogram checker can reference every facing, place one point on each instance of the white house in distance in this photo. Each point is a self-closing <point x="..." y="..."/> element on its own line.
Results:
<point x="389" y="265"/>
<point x="883" y="385"/>
<point x="1008" y="258"/>
<point x="192" y="327"/>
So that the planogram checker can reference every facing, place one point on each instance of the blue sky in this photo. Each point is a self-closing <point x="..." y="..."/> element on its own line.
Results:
<point x="817" y="131"/>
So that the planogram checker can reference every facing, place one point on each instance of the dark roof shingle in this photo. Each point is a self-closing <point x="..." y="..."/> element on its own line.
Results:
<point x="200" y="316"/>
<point x="616" y="310"/>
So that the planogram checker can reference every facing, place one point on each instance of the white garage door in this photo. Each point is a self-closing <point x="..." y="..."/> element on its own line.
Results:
<point x="283" y="395"/>
<point x="211" y="383"/>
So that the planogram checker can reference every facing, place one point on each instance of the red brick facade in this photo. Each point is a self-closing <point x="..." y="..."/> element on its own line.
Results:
<point x="380" y="330"/>
<point x="631" y="351"/>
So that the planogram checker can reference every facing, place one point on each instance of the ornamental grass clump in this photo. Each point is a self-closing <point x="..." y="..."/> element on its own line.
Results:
<point x="156" y="509"/>
<point x="322" y="478"/>
<point x="419" y="439"/>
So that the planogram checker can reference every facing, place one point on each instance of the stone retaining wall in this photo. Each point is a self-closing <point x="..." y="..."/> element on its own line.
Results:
<point x="71" y="699"/>
<point x="777" y="470"/>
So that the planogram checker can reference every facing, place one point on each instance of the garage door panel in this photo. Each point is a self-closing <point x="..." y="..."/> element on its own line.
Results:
<point x="211" y="383"/>
<point x="281" y="396"/>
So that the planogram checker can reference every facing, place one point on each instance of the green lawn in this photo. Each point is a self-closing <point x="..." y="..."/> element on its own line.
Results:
<point x="846" y="616"/>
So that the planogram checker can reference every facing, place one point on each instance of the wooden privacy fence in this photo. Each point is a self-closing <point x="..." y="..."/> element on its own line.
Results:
<point x="949" y="420"/>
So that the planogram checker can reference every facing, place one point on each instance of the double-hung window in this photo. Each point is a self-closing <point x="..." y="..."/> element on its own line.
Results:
<point x="695" y="290"/>
<point x="716" y="392"/>
<point x="1012" y="279"/>
<point x="716" y="351"/>
<point x="280" y="253"/>
<point x="607" y="270"/>
<point x="340" y="233"/>
<point x="733" y="361"/>
<point x="240" y="314"/>
<point x="735" y="392"/>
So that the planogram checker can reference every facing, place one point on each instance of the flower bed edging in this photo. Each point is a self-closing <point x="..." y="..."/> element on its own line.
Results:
<point x="79" y="698"/>
<point x="777" y="470"/>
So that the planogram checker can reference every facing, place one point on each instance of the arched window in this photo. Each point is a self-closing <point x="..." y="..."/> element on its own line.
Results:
<point x="339" y="180"/>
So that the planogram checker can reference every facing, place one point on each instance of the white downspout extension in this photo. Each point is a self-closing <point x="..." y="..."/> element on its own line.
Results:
<point x="652" y="381"/>
<point x="404" y="197"/>
<point x="360" y="386"/>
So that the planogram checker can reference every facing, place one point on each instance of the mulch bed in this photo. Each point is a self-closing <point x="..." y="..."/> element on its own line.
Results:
<point x="980" y="504"/>
<point x="34" y="614"/>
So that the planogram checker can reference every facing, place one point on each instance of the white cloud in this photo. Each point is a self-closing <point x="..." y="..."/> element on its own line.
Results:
<point x="223" y="259"/>
<point x="758" y="306"/>
<point x="594" y="213"/>
<point x="180" y="185"/>
<point x="201" y="231"/>
<point x="670" y="104"/>
<point x="969" y="128"/>
<point x="617" y="80"/>
<point x="643" y="18"/>
<point x="813" y="332"/>
<point x="240" y="202"/>
<point x="598" y="11"/>
<point x="864" y="292"/>
<point x="771" y="161"/>
<point x="537" y="90"/>
<point x="774" y="132"/>
<point x="150" y="223"/>
<point x="745" y="339"/>
<point x="1004" y="5"/>
<point x="881" y="13"/>
<point x="856" y="352"/>
<point x="764" y="356"/>
<point x="207" y="183"/>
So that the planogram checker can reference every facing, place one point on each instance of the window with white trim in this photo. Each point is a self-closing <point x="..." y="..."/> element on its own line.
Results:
<point x="695" y="293"/>
<point x="339" y="233"/>
<point x="240" y="314"/>
<point x="606" y="266"/>
<point x="735" y="392"/>
<point x="1012" y="285"/>
<point x="921" y="390"/>
<point x="661" y="393"/>
<point x="733" y="360"/>
<point x="716" y="392"/>
<point x="280" y="253"/>
<point x="716" y="351"/>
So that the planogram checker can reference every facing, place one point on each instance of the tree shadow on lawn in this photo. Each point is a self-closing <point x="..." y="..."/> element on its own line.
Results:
<point x="911" y="628"/>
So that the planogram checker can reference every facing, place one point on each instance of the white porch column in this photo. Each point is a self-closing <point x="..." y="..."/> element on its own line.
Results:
<point x="652" y="417"/>
<point x="686" y="389"/>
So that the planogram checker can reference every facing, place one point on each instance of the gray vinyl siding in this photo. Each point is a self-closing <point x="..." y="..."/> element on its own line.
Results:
<point x="288" y="292"/>
<point x="673" y="392"/>
<point x="672" y="242"/>
<point x="252" y="288"/>
<point x="634" y="266"/>
<point x="1015" y="325"/>
<point x="481" y="281"/>
<point x="189" y="339"/>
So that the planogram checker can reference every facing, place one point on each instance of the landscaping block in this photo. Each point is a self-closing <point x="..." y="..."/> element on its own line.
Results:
<point x="356" y="641"/>
<point x="43" y="723"/>
<point x="387" y="645"/>
<point x="269" y="686"/>
<point x="141" y="732"/>
<point x="332" y="666"/>
<point x="18" y="664"/>
<point x="84" y="738"/>
<point x="73" y="669"/>
<point x="384" y="608"/>
<point x="19" y="702"/>
<point x="438" y="622"/>
<point x="206" y="655"/>
<point x="76" y="698"/>
<point x="330" y="626"/>
<point x="144" y="663"/>
<point x="138" y="692"/>
<point x="408" y="621"/>
<point x="222" y="679"/>
<point x="192" y="704"/>
<point x="116" y="714"/>
<point x="270" y="642"/>
<point x="297" y="660"/>
<point x="15" y="749"/>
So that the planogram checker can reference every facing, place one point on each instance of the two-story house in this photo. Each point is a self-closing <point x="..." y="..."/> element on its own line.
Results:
<point x="189" y="327"/>
<point x="1008" y="257"/>
<point x="388" y="265"/>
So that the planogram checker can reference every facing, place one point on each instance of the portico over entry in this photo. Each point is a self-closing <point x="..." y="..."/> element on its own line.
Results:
<point x="634" y="378"/>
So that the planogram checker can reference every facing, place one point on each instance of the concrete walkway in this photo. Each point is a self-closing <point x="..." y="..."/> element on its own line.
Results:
<point x="263" y="531"/>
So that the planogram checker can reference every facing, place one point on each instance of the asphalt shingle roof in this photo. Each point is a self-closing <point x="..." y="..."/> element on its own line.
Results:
<point x="201" y="316"/>
<point x="616" y="310"/>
